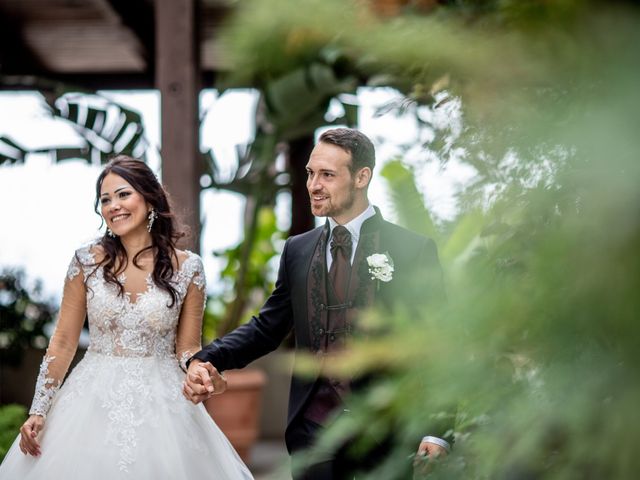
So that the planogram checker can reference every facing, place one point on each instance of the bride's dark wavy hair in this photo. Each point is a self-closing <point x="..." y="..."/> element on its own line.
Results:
<point x="164" y="234"/>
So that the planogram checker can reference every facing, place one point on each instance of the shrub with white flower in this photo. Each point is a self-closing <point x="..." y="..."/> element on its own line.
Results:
<point x="380" y="267"/>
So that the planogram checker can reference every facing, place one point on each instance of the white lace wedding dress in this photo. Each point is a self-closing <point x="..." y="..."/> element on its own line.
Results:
<point x="120" y="412"/>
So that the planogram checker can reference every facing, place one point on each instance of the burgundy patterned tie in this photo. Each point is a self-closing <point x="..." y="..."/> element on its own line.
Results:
<point x="340" y="270"/>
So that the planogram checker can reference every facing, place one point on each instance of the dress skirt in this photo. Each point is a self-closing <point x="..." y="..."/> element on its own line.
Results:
<point x="126" y="417"/>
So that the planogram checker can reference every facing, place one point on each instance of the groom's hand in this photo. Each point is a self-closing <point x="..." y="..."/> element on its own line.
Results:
<point x="203" y="380"/>
<point x="428" y="454"/>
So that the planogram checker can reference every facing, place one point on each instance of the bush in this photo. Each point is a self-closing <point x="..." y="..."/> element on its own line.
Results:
<point x="12" y="417"/>
<point x="22" y="317"/>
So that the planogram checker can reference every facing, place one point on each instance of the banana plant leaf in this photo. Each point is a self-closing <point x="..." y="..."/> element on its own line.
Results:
<point x="10" y="151"/>
<point x="407" y="200"/>
<point x="105" y="129"/>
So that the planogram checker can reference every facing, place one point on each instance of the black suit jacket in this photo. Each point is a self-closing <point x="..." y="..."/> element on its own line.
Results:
<point x="414" y="257"/>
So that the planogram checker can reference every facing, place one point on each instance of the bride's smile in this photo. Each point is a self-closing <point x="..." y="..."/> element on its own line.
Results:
<point x="123" y="208"/>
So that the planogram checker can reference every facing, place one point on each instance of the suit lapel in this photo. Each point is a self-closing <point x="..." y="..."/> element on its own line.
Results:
<point x="316" y="298"/>
<point x="360" y="286"/>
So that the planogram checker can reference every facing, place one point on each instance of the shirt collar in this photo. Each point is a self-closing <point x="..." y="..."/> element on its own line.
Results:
<point x="354" y="225"/>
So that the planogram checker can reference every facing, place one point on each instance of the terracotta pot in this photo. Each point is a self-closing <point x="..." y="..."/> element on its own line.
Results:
<point x="237" y="411"/>
<point x="392" y="8"/>
<point x="387" y="8"/>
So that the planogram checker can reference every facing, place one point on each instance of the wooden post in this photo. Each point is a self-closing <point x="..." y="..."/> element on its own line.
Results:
<point x="178" y="79"/>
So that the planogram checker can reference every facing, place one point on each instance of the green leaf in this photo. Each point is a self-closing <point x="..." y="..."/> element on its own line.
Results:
<point x="10" y="151"/>
<point x="407" y="200"/>
<point x="105" y="126"/>
<point x="463" y="238"/>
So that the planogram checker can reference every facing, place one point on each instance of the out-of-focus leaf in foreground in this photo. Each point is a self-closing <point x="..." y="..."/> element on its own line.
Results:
<point x="538" y="346"/>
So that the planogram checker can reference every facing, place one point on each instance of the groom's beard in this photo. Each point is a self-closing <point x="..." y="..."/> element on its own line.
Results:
<point x="330" y="209"/>
<point x="334" y="207"/>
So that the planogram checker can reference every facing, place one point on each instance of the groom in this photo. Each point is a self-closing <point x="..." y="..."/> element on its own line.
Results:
<point x="324" y="283"/>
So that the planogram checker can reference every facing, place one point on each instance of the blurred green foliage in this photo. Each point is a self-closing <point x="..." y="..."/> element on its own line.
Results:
<point x="22" y="317"/>
<point x="12" y="417"/>
<point x="227" y="310"/>
<point x="539" y="342"/>
<point x="410" y="207"/>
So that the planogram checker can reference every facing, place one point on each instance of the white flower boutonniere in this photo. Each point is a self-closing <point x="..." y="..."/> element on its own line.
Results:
<point x="380" y="267"/>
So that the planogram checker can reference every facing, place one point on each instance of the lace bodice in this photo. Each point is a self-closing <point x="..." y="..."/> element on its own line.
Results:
<point x="122" y="327"/>
<point x="119" y="325"/>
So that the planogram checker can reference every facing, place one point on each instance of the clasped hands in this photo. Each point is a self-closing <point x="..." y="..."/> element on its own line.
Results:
<point x="202" y="381"/>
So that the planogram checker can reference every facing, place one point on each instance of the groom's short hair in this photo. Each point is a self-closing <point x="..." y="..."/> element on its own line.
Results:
<point x="354" y="142"/>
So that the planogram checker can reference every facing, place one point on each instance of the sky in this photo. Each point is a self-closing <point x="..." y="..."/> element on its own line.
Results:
<point x="46" y="209"/>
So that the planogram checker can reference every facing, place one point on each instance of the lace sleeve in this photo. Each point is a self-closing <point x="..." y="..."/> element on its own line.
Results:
<point x="188" y="339"/>
<point x="64" y="341"/>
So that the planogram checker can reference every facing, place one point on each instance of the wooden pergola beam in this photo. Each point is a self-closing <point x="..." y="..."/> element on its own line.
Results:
<point x="15" y="55"/>
<point x="178" y="79"/>
<point x="139" y="18"/>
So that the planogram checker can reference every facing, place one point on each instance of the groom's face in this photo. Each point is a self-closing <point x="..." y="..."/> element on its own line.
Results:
<point x="331" y="185"/>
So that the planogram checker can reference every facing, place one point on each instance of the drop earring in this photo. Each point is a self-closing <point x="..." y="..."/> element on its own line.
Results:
<point x="110" y="233"/>
<point x="152" y="218"/>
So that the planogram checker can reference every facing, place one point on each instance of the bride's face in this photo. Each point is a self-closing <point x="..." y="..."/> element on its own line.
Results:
<point x="124" y="209"/>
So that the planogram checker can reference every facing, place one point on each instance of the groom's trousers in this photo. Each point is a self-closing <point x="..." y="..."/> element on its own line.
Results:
<point x="336" y="465"/>
<point x="331" y="466"/>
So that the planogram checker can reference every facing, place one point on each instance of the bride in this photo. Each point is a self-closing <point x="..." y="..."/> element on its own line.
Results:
<point x="121" y="413"/>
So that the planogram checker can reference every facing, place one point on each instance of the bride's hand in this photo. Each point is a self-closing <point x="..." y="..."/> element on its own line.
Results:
<point x="203" y="380"/>
<point x="29" y="434"/>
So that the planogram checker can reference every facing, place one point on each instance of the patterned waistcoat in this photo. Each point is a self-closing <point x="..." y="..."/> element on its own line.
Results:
<point x="331" y="322"/>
